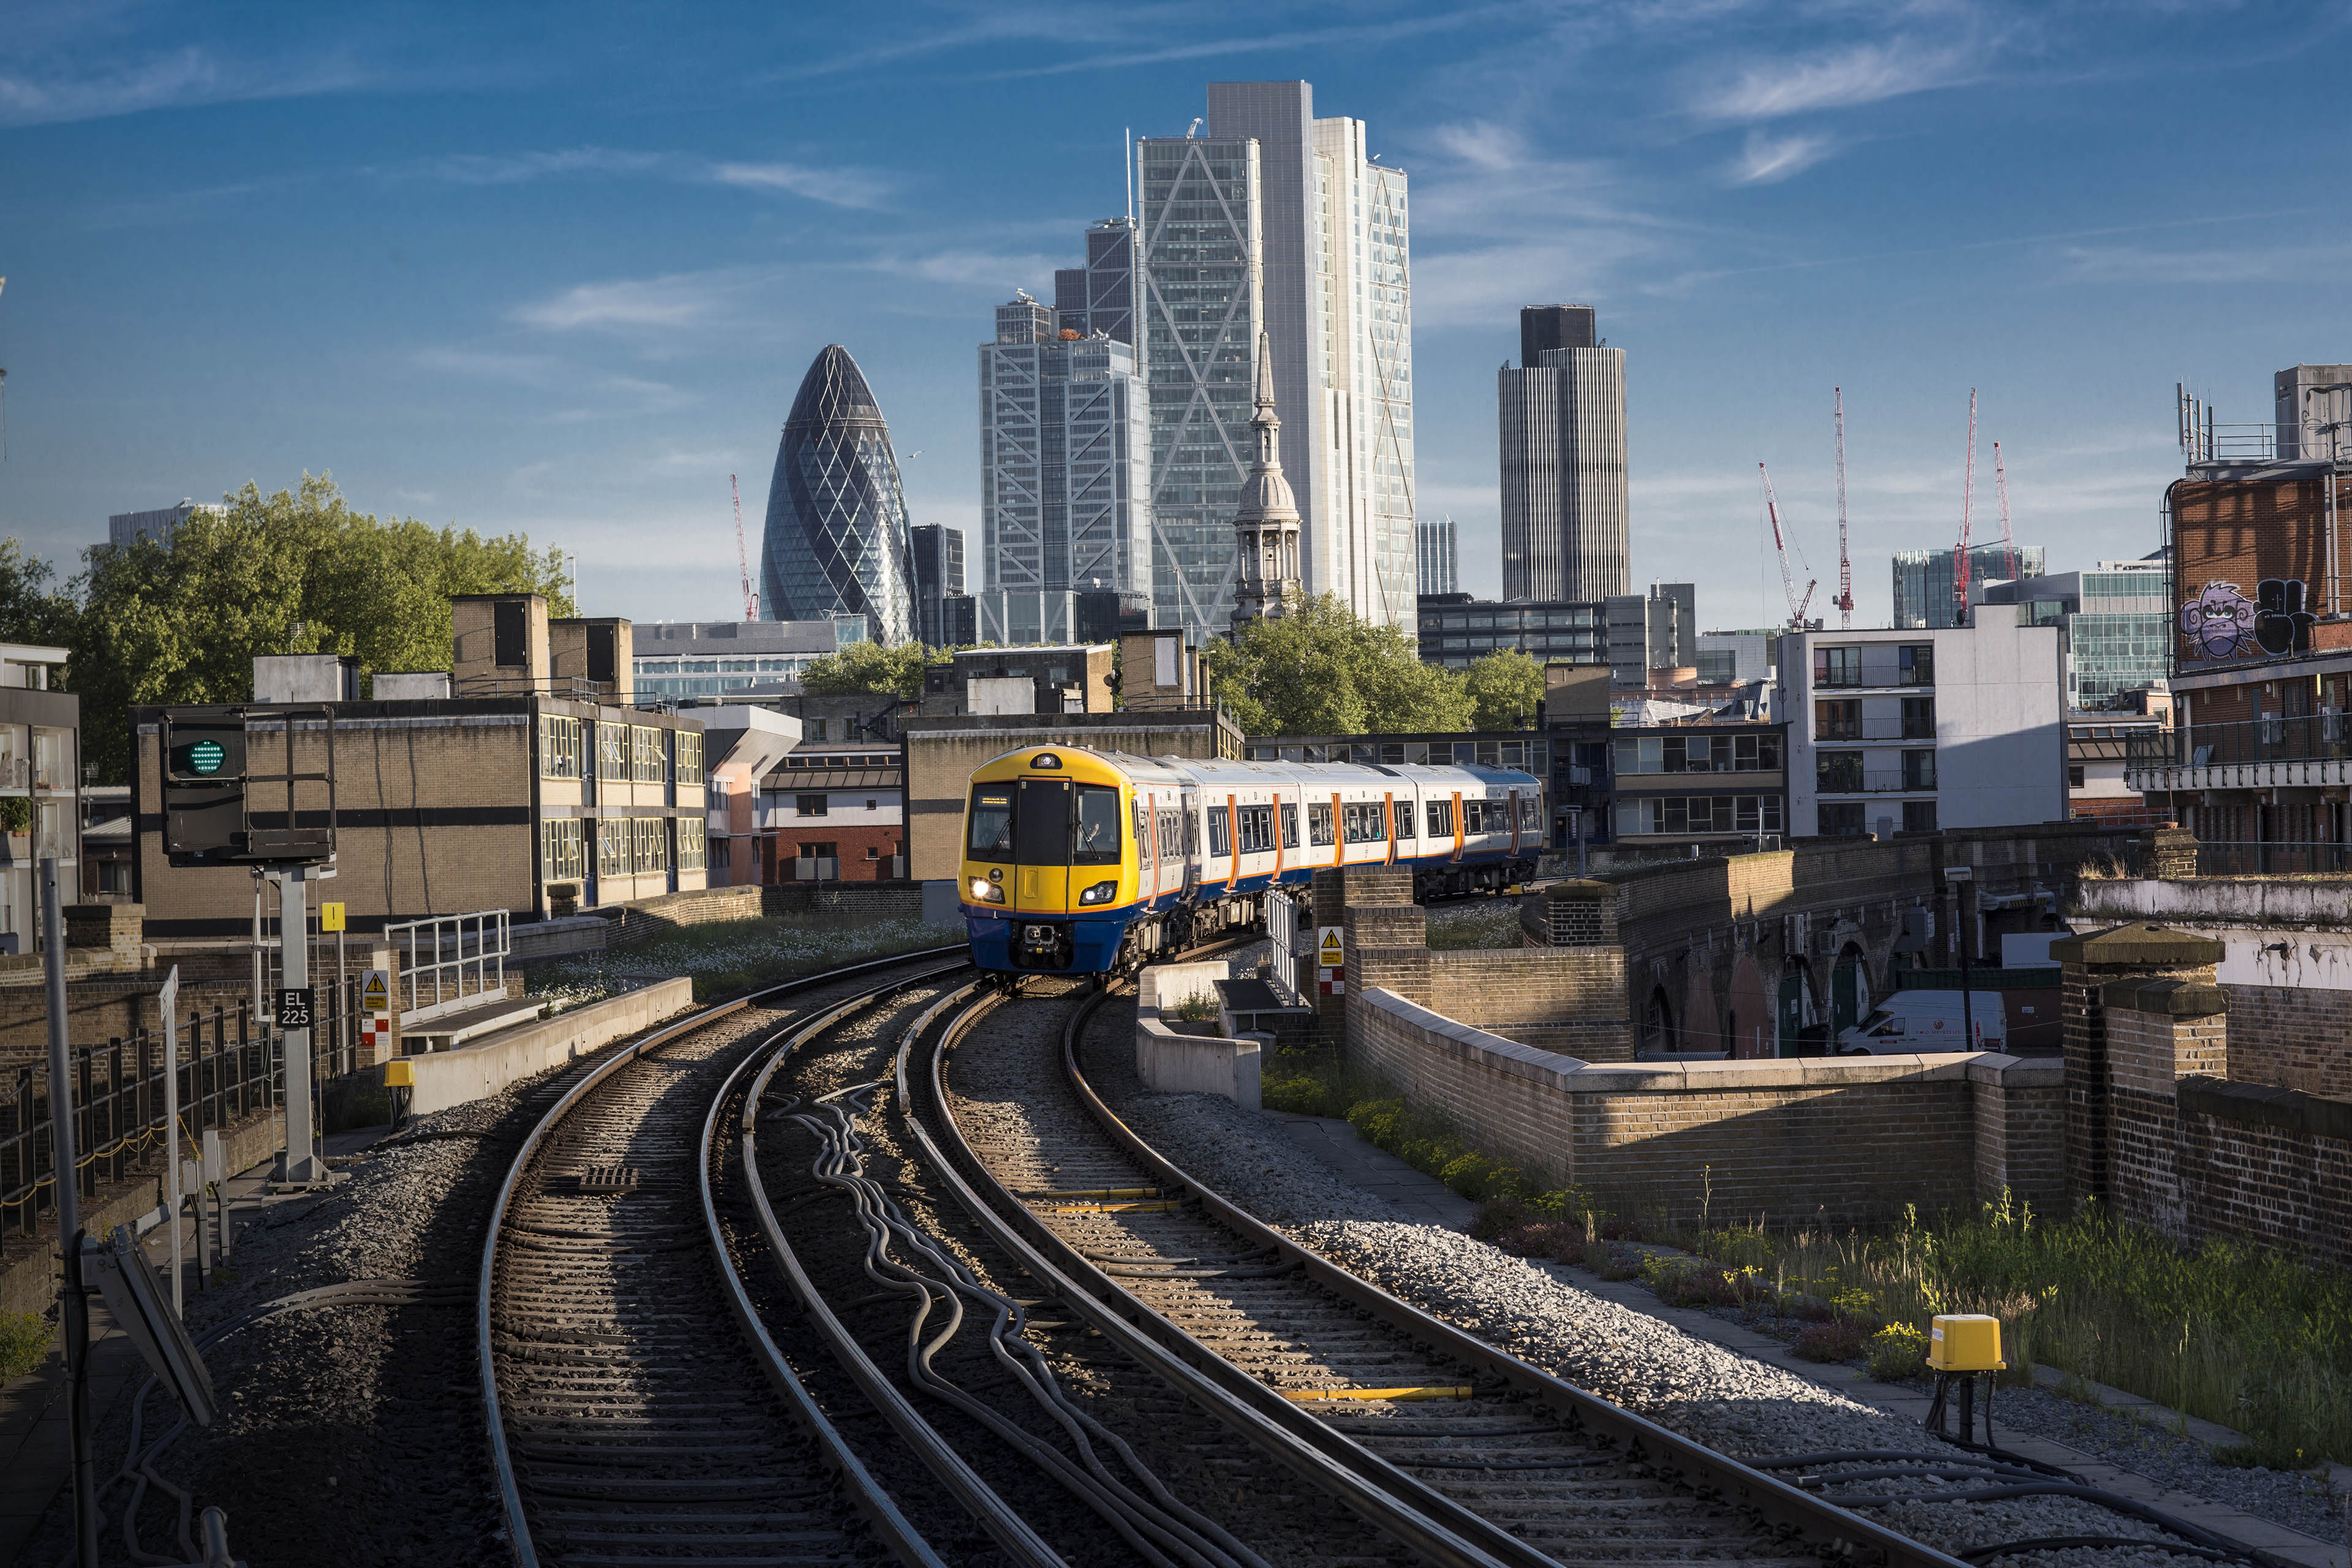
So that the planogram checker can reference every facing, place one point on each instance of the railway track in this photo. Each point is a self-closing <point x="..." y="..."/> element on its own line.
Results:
<point x="1456" y="1450"/>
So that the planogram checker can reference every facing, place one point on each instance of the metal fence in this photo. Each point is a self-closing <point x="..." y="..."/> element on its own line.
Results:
<point x="2274" y="737"/>
<point x="437" y="954"/>
<point x="2235" y="857"/>
<point x="231" y="1066"/>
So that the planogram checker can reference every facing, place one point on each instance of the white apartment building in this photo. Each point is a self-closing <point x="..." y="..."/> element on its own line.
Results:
<point x="1277" y="221"/>
<point x="1916" y="731"/>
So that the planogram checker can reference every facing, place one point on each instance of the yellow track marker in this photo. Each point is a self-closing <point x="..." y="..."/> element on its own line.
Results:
<point x="1116" y="1209"/>
<point x="1099" y="1193"/>
<point x="1440" y="1391"/>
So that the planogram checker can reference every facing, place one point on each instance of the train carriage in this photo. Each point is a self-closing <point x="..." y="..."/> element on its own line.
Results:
<point x="1084" y="862"/>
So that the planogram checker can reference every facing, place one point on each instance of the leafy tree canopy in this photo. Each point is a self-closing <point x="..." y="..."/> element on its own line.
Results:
<point x="290" y="572"/>
<point x="870" y="668"/>
<point x="32" y="609"/>
<point x="1322" y="670"/>
<point x="1505" y="686"/>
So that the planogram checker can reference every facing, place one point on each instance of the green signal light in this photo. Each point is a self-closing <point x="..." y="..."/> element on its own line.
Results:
<point x="205" y="757"/>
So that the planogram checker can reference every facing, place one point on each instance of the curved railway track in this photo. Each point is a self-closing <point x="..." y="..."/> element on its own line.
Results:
<point x="1462" y="1453"/>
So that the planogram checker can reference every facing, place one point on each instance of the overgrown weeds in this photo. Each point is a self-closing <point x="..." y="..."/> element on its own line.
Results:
<point x="1493" y="924"/>
<point x="24" y="1343"/>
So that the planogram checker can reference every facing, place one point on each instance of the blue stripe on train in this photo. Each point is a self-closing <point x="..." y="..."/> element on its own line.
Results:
<point x="1095" y="939"/>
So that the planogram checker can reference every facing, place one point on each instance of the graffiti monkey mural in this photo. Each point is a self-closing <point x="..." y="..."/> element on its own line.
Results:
<point x="2223" y="623"/>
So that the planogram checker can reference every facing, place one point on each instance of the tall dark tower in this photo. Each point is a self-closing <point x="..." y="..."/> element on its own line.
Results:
<point x="1566" y="532"/>
<point x="836" y="540"/>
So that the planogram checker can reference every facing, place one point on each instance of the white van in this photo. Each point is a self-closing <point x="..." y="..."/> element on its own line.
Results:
<point x="1911" y="1021"/>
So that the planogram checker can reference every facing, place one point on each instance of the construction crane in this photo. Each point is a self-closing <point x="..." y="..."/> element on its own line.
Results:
<point x="743" y="559"/>
<point x="1797" y="604"/>
<point x="1967" y="507"/>
<point x="2000" y="488"/>
<point x="1845" y="563"/>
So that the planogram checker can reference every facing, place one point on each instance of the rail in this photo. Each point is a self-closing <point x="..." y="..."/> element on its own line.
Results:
<point x="2324" y="736"/>
<point x="2273" y="857"/>
<point x="486" y="933"/>
<point x="1290" y="930"/>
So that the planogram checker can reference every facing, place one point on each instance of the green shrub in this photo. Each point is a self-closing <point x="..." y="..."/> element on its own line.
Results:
<point x="1470" y="1174"/>
<point x="1198" y="1008"/>
<point x="24" y="1343"/>
<point x="1898" y="1353"/>
<point x="1841" y="1338"/>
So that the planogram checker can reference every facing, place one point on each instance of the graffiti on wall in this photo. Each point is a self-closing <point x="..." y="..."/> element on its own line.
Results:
<point x="2223" y="623"/>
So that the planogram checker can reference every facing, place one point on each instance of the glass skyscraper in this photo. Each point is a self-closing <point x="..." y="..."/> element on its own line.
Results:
<point x="1923" y="580"/>
<point x="1441" y="556"/>
<point x="837" y="540"/>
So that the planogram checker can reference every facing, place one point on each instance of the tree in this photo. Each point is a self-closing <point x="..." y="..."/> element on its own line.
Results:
<point x="32" y="609"/>
<point x="868" y="668"/>
<point x="1505" y="686"/>
<point x="1322" y="670"/>
<point x="280" y="574"/>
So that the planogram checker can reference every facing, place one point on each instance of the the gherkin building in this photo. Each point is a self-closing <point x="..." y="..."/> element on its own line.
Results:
<point x="837" y="540"/>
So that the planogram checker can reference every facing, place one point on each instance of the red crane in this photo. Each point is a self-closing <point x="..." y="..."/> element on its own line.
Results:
<point x="1797" y="604"/>
<point x="743" y="559"/>
<point x="1845" y="564"/>
<point x="1968" y="504"/>
<point x="2000" y="488"/>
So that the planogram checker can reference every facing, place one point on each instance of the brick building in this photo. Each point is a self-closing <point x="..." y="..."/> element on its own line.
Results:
<point x="533" y="772"/>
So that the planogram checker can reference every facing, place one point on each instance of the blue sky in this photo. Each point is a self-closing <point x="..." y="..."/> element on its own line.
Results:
<point x="560" y="269"/>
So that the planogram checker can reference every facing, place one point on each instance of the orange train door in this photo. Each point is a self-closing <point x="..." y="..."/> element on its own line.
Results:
<point x="1457" y="824"/>
<point x="1232" y="842"/>
<point x="1388" y="820"/>
<point x="1275" y="882"/>
<point x="1339" y="838"/>
<point x="1149" y="850"/>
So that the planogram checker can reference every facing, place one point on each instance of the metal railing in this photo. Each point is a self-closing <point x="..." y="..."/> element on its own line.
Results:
<point x="230" y="1067"/>
<point x="2232" y="858"/>
<point x="2324" y="736"/>
<point x="439" y="954"/>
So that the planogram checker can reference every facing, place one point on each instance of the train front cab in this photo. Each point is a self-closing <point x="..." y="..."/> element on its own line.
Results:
<point x="1048" y="879"/>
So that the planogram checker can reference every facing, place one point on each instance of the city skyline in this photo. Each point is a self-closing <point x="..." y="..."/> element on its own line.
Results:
<point x="551" y="307"/>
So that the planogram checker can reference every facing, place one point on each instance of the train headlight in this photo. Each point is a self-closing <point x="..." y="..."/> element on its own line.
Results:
<point x="1100" y="893"/>
<point x="987" y="893"/>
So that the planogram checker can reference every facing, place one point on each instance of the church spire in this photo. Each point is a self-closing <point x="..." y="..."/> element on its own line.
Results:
<point x="1266" y="523"/>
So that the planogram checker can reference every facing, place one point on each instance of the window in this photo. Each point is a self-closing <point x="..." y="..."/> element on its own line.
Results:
<point x="1402" y="814"/>
<point x="560" y="854"/>
<point x="870" y="804"/>
<point x="1143" y="839"/>
<point x="1172" y="836"/>
<point x="1318" y="825"/>
<point x="1098" y="842"/>
<point x="1192" y="831"/>
<point x="612" y="750"/>
<point x="613" y="846"/>
<point x="1700" y="813"/>
<point x="692" y="843"/>
<point x="1841" y="819"/>
<point x="992" y="822"/>
<point x="689" y="758"/>
<point x="1838" y="772"/>
<point x="1837" y="666"/>
<point x="1289" y="826"/>
<point x="1919" y="816"/>
<point x="1363" y="823"/>
<point x="1473" y="816"/>
<point x="1916" y="665"/>
<point x="808" y="805"/>
<point x="2074" y="777"/>
<point x="650" y="842"/>
<point x="645" y="754"/>
<point x="1441" y="819"/>
<point x="1256" y="830"/>
<point x="1840" y="720"/>
<point x="1918" y="718"/>
<point x="1218" y="834"/>
<point x="1530" y="814"/>
<point x="559" y="747"/>
<point x="1918" y="770"/>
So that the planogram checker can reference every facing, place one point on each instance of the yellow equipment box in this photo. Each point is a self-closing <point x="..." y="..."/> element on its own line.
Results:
<point x="398" y="1073"/>
<point x="1965" y="1341"/>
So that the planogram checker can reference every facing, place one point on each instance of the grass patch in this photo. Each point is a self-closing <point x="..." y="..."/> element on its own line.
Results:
<point x="24" y="1343"/>
<point x="1493" y="923"/>
<point x="725" y="958"/>
<point x="1840" y="1339"/>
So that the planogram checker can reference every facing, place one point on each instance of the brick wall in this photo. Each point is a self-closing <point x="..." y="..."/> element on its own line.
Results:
<point x="2270" y="1164"/>
<point x="2292" y="1037"/>
<point x="2020" y="1133"/>
<point x="2088" y="965"/>
<point x="859" y="904"/>
<point x="1506" y="1096"/>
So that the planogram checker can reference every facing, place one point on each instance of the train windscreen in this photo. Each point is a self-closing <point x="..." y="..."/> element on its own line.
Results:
<point x="992" y="822"/>
<point x="1098" y="842"/>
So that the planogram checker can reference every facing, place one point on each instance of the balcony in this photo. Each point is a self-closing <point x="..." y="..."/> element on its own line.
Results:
<point x="2268" y="753"/>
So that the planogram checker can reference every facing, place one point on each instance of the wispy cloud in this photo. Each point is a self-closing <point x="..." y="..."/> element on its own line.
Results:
<point x="680" y="299"/>
<point x="2219" y="264"/>
<point x="1243" y="42"/>
<point x="551" y="373"/>
<point x="1865" y="73"/>
<point x="1767" y="159"/>
<point x="841" y="187"/>
<point x="517" y="168"/>
<point x="179" y="78"/>
<point x="836" y="188"/>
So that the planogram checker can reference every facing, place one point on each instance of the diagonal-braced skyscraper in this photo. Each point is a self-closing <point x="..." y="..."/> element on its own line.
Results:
<point x="836" y="540"/>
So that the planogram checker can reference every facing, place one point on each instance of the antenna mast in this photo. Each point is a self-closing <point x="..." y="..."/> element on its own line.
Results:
<point x="1780" y="543"/>
<point x="743" y="559"/>
<point x="1968" y="504"/>
<point x="1845" y="563"/>
<point x="2000" y="488"/>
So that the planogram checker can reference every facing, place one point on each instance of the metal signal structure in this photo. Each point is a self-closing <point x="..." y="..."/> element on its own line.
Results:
<point x="743" y="559"/>
<point x="1967" y="505"/>
<point x="1845" y="563"/>
<point x="1797" y="602"/>
<point x="2000" y="488"/>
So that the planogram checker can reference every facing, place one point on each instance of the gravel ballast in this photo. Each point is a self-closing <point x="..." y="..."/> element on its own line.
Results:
<point x="1730" y="1402"/>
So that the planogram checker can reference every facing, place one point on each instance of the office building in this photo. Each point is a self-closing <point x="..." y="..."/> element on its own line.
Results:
<point x="1010" y="616"/>
<point x="1567" y="533"/>
<point x="1441" y="556"/>
<point x="1657" y="630"/>
<point x="1065" y="461"/>
<point x="1739" y="655"/>
<point x="2117" y="618"/>
<point x="716" y="662"/>
<point x="837" y="540"/>
<point x="1101" y="296"/>
<point x="1916" y="731"/>
<point x="2313" y="409"/>
<point x="158" y="525"/>
<point x="1925" y="579"/>
<point x="1456" y="629"/>
<point x="1277" y="222"/>
<point x="938" y="577"/>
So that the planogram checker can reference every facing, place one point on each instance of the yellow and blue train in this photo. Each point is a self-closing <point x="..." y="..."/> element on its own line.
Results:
<point x="1084" y="862"/>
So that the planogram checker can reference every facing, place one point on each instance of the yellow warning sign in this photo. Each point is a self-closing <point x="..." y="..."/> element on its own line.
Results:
<point x="330" y="917"/>
<point x="1330" y="953"/>
<point x="375" y="991"/>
